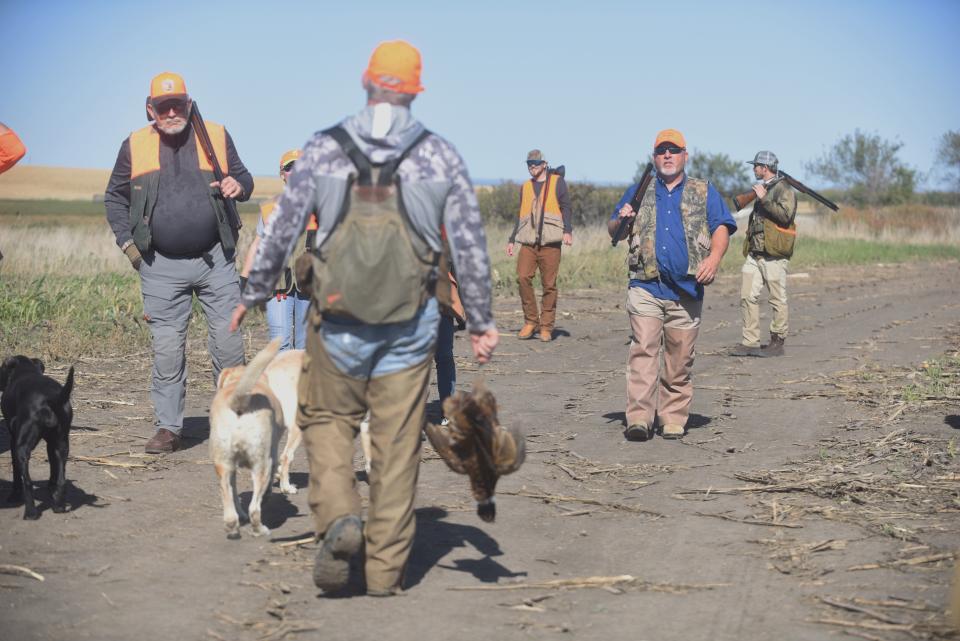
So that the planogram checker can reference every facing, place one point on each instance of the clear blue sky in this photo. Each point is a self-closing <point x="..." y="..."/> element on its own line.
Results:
<point x="588" y="82"/>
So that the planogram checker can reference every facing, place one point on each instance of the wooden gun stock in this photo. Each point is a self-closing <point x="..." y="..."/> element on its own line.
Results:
<point x="634" y="203"/>
<point x="744" y="199"/>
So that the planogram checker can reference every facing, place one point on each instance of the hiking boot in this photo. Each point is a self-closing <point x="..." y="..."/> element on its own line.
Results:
<point x="672" y="430"/>
<point x="638" y="432"/>
<point x="745" y="350"/>
<point x="163" y="442"/>
<point x="527" y="331"/>
<point x="546" y="335"/>
<point x="774" y="347"/>
<point x="331" y="569"/>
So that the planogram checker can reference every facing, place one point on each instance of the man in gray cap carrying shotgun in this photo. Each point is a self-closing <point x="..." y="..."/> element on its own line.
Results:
<point x="768" y="246"/>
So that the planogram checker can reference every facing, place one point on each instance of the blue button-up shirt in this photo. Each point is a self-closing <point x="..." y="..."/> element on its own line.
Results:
<point x="672" y="257"/>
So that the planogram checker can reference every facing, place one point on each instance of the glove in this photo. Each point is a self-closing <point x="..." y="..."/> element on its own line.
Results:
<point x="134" y="255"/>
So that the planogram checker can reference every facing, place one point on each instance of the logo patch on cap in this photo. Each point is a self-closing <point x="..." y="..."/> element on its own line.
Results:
<point x="166" y="86"/>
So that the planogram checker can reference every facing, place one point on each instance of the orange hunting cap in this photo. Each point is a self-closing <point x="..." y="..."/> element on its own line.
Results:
<point x="288" y="158"/>
<point x="395" y="65"/>
<point x="670" y="135"/>
<point x="168" y="86"/>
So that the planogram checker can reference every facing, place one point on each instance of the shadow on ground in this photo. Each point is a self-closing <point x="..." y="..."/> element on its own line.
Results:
<point x="436" y="538"/>
<point x="75" y="499"/>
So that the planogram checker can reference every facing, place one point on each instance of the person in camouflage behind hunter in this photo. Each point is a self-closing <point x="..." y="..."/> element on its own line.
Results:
<point x="350" y="365"/>
<point x="677" y="240"/>
<point x="767" y="249"/>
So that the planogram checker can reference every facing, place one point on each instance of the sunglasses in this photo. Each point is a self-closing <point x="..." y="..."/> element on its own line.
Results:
<point x="673" y="149"/>
<point x="535" y="163"/>
<point x="288" y="167"/>
<point x="165" y="106"/>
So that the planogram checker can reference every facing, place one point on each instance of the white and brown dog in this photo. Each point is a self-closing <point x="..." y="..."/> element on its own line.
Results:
<point x="246" y="420"/>
<point x="283" y="378"/>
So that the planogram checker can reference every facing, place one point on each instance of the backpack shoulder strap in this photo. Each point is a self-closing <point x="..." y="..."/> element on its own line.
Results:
<point x="389" y="168"/>
<point x="361" y="162"/>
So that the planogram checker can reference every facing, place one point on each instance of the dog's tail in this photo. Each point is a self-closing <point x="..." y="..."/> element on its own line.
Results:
<point x="67" y="388"/>
<point x="240" y="400"/>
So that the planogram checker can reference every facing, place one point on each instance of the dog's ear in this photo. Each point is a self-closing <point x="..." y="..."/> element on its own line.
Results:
<point x="39" y="364"/>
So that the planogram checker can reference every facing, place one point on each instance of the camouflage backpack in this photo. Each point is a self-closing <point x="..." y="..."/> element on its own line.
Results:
<point x="373" y="266"/>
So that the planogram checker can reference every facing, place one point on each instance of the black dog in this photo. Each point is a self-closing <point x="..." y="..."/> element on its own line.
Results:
<point x="36" y="406"/>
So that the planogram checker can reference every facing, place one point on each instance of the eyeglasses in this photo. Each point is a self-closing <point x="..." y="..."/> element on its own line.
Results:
<point x="288" y="167"/>
<point x="535" y="163"/>
<point x="673" y="149"/>
<point x="164" y="107"/>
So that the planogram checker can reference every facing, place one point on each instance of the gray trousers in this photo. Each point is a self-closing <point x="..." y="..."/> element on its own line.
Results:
<point x="168" y="284"/>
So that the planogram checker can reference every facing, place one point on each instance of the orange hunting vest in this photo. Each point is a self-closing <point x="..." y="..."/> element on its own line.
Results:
<point x="288" y="281"/>
<point x="145" y="183"/>
<point x="540" y="224"/>
<point x="267" y="208"/>
<point x="145" y="150"/>
<point x="551" y="206"/>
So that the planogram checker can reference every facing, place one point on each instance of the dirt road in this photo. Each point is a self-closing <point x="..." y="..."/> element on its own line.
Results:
<point x="796" y="470"/>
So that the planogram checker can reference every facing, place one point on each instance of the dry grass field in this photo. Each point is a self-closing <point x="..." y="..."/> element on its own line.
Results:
<point x="27" y="182"/>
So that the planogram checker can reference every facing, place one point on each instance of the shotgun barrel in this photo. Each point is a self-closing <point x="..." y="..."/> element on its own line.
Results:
<point x="635" y="203"/>
<point x="200" y="128"/>
<point x="746" y="198"/>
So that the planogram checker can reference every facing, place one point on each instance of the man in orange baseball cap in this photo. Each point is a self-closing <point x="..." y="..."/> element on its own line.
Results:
<point x="679" y="233"/>
<point x="167" y="211"/>
<point x="374" y="318"/>
<point x="286" y="309"/>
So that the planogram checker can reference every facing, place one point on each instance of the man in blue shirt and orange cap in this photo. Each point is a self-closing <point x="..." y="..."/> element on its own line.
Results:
<point x="678" y="236"/>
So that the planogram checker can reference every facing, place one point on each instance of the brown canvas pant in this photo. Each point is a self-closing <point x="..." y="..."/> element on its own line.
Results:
<point x="651" y="389"/>
<point x="546" y="258"/>
<point x="759" y="271"/>
<point x="331" y="406"/>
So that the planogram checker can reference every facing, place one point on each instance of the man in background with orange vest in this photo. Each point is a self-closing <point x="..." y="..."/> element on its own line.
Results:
<point x="11" y="148"/>
<point x="168" y="215"/>
<point x="544" y="222"/>
<point x="287" y="308"/>
<point x="11" y="151"/>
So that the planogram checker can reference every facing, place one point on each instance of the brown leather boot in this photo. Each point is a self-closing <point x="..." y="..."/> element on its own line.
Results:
<point x="163" y="442"/>
<point x="774" y="347"/>
<point x="527" y="331"/>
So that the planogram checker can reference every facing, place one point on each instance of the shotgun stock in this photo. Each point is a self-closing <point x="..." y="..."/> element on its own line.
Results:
<point x="635" y="203"/>
<point x="200" y="128"/>
<point x="745" y="199"/>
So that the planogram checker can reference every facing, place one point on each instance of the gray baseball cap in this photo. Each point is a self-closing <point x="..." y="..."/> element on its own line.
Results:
<point x="767" y="158"/>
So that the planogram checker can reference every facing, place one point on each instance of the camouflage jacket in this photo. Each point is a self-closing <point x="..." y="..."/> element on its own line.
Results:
<point x="436" y="190"/>
<point x="643" y="242"/>
<point x="779" y="206"/>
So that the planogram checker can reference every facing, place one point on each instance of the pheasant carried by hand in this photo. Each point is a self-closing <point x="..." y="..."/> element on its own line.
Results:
<point x="474" y="443"/>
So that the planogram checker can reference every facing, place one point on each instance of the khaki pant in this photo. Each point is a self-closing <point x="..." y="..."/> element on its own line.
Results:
<point x="651" y="389"/>
<point x="546" y="258"/>
<point x="759" y="271"/>
<point x="331" y="406"/>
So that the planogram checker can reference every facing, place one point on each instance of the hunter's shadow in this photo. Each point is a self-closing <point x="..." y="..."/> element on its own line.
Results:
<point x="196" y="430"/>
<point x="436" y="538"/>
